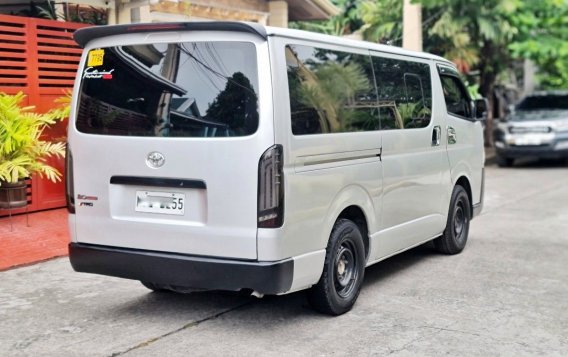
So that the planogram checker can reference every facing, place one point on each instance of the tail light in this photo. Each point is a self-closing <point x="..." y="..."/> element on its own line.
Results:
<point x="69" y="190"/>
<point x="271" y="189"/>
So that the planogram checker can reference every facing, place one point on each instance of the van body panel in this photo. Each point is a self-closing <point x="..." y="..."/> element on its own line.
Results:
<point x="227" y="165"/>
<point x="383" y="256"/>
<point x="415" y="179"/>
<point x="311" y="204"/>
<point x="307" y="270"/>
<point x="324" y="173"/>
<point x="466" y="160"/>
<point x="388" y="242"/>
<point x="71" y="224"/>
<point x="465" y="152"/>
<point x="319" y="215"/>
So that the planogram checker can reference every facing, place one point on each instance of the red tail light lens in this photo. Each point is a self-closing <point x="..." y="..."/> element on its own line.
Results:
<point x="271" y="189"/>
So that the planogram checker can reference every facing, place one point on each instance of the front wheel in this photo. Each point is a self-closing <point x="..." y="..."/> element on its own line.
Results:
<point x="343" y="271"/>
<point x="454" y="238"/>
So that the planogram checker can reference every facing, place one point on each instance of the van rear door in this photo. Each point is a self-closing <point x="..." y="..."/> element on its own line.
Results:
<point x="167" y="139"/>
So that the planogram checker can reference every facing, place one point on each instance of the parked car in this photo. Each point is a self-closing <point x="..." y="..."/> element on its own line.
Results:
<point x="536" y="127"/>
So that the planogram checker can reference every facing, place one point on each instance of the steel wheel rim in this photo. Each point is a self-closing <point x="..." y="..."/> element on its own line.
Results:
<point x="460" y="220"/>
<point x="345" y="272"/>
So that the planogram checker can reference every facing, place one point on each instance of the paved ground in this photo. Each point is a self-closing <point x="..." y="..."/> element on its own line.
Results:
<point x="506" y="294"/>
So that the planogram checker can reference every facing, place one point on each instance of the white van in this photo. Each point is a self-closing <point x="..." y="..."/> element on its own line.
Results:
<point x="234" y="156"/>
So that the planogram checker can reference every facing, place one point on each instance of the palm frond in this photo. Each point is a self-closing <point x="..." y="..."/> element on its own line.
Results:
<point x="21" y="149"/>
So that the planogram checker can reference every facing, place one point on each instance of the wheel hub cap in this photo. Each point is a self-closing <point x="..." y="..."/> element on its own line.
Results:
<point x="345" y="270"/>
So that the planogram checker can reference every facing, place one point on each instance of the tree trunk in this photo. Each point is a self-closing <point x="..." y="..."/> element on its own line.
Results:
<point x="488" y="77"/>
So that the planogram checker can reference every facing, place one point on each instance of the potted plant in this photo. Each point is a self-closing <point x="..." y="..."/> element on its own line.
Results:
<point x="23" y="152"/>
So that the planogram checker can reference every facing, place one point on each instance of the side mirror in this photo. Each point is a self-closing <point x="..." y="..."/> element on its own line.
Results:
<point x="481" y="106"/>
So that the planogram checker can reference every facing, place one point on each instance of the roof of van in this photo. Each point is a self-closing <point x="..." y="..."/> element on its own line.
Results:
<point x="342" y="41"/>
<point x="85" y="35"/>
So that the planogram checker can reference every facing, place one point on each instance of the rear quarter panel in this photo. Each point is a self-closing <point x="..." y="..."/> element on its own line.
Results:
<point x="321" y="176"/>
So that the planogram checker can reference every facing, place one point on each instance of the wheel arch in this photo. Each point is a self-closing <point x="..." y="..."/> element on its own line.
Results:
<point x="353" y="203"/>
<point x="357" y="216"/>
<point x="464" y="182"/>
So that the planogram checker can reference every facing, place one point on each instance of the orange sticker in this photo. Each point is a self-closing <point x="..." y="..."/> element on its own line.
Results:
<point x="95" y="58"/>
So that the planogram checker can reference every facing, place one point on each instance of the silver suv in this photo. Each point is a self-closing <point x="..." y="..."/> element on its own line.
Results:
<point x="536" y="127"/>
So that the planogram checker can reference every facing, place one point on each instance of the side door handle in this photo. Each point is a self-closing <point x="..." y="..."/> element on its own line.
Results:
<point x="436" y="135"/>
<point x="452" y="137"/>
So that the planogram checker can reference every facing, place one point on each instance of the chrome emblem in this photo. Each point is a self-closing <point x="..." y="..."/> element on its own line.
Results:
<point x="155" y="160"/>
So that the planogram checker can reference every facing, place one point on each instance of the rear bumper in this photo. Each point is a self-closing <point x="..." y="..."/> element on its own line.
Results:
<point x="182" y="270"/>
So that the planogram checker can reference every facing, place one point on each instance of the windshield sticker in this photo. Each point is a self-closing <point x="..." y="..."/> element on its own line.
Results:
<point x="95" y="58"/>
<point x="91" y="73"/>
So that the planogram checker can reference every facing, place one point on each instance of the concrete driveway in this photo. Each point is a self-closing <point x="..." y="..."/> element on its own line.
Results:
<point x="506" y="294"/>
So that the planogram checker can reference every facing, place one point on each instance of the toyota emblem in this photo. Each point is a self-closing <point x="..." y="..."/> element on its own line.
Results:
<point x="155" y="160"/>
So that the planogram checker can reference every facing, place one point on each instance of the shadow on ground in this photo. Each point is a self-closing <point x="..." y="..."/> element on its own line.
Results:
<point x="285" y="307"/>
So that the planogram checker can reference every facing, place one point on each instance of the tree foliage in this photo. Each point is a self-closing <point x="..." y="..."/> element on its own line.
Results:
<point x="348" y="21"/>
<point x="236" y="105"/>
<point x="543" y="38"/>
<point x="382" y="20"/>
<point x="319" y="90"/>
<point x="483" y="35"/>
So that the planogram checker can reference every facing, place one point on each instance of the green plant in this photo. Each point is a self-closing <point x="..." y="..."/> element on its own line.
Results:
<point x="22" y="150"/>
<point x="47" y="11"/>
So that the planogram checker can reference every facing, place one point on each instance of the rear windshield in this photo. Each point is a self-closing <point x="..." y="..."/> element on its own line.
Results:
<point x="190" y="89"/>
<point x="544" y="102"/>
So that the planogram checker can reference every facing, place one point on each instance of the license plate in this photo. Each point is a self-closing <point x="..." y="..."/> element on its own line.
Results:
<point x="160" y="202"/>
<point x="528" y="140"/>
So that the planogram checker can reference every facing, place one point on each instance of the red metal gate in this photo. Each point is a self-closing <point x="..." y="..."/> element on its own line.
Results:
<point x="39" y="58"/>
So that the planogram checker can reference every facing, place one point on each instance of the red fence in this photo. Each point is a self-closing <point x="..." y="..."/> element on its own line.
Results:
<point x="39" y="58"/>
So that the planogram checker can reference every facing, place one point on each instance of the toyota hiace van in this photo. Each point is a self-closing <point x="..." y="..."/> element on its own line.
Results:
<point x="235" y="156"/>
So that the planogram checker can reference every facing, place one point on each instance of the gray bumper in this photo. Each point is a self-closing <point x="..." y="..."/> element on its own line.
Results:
<point x="182" y="270"/>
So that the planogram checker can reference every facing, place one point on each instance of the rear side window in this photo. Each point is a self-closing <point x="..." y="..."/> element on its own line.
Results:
<point x="405" y="93"/>
<point x="190" y="89"/>
<point x="330" y="91"/>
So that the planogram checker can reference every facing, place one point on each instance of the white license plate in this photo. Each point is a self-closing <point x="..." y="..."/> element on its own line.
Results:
<point x="160" y="202"/>
<point x="528" y="140"/>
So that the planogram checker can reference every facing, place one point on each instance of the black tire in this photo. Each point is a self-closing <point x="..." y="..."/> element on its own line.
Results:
<point x="454" y="238"/>
<point x="343" y="271"/>
<point x="504" y="161"/>
<point x="155" y="287"/>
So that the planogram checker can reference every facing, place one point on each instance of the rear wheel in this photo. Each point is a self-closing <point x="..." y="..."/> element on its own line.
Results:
<point x="343" y="271"/>
<point x="454" y="238"/>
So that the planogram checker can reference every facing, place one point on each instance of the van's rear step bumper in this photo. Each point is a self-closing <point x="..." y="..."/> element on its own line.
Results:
<point x="183" y="270"/>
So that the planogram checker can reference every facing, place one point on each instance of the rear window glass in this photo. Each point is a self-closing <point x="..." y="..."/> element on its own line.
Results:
<point x="543" y="102"/>
<point x="190" y="89"/>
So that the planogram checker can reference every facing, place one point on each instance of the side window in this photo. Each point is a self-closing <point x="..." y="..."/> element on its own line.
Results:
<point x="405" y="93"/>
<point x="330" y="91"/>
<point x="457" y="100"/>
